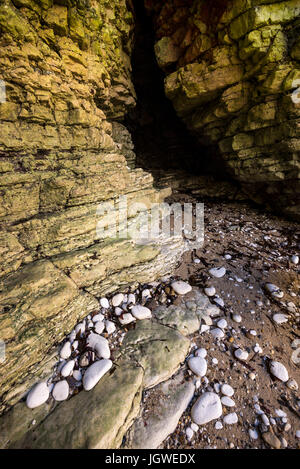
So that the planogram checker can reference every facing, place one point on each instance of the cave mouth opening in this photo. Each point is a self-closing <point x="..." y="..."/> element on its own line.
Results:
<point x="161" y="140"/>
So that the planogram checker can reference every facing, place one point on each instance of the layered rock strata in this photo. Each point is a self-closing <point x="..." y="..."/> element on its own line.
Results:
<point x="232" y="73"/>
<point x="65" y="84"/>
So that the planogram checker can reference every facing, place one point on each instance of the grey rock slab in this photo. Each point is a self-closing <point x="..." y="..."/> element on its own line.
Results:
<point x="173" y="397"/>
<point x="97" y="419"/>
<point x="157" y="348"/>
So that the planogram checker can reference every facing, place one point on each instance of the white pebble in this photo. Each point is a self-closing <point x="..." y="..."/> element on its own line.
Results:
<point x="237" y="318"/>
<point x="227" y="390"/>
<point x="241" y="354"/>
<point x="61" y="391"/>
<point x="68" y="368"/>
<point x="37" y="396"/>
<point x="227" y="401"/>
<point x="189" y="433"/>
<point x="77" y="375"/>
<point x="117" y="299"/>
<point x="207" y="407"/>
<point x="98" y="317"/>
<point x="110" y="327"/>
<point x="66" y="350"/>
<point x="201" y="352"/>
<point x="217" y="272"/>
<point x="279" y="371"/>
<point x="210" y="291"/>
<point x="99" y="327"/>
<point x="280" y="318"/>
<point x="95" y="372"/>
<point x="126" y="318"/>
<point x="99" y="344"/>
<point x="104" y="303"/>
<point x="198" y="366"/>
<point x="217" y="333"/>
<point x="230" y="419"/>
<point x="222" y="323"/>
<point x="181" y="288"/>
<point x="141" y="312"/>
<point x="218" y="425"/>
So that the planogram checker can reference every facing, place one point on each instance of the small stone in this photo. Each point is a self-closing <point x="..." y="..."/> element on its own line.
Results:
<point x="110" y="327"/>
<point x="98" y="317"/>
<point x="217" y="333"/>
<point x="117" y="299"/>
<point x="210" y="291"/>
<point x="227" y="257"/>
<point x="181" y="288"/>
<point x="198" y="366"/>
<point x="292" y="384"/>
<point x="84" y="359"/>
<point x="146" y="293"/>
<point x="280" y="318"/>
<point x="271" y="440"/>
<point x="230" y="419"/>
<point x="218" y="425"/>
<point x="68" y="368"/>
<point x="252" y="376"/>
<point x="201" y="352"/>
<point x="189" y="433"/>
<point x="80" y="328"/>
<point x="104" y="303"/>
<point x="295" y="259"/>
<point x="253" y="434"/>
<point x="215" y="361"/>
<point x="227" y="401"/>
<point x="280" y="413"/>
<point x="278" y="370"/>
<point x="297" y="434"/>
<point x="37" y="396"/>
<point x="61" y="391"/>
<point x="77" y="375"/>
<point x="95" y="372"/>
<point x="118" y="311"/>
<point x="237" y="318"/>
<point x="204" y="328"/>
<point x="217" y="272"/>
<point x="126" y="318"/>
<point x="241" y="354"/>
<point x="219" y="301"/>
<point x="141" y="312"/>
<point x="99" y="344"/>
<point x="66" y="350"/>
<point x="227" y="390"/>
<point x="222" y="323"/>
<point x="99" y="327"/>
<point x="207" y="407"/>
<point x="274" y="290"/>
<point x="131" y="298"/>
<point x="194" y="427"/>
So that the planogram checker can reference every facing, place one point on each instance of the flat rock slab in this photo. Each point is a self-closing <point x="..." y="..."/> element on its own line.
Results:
<point x="186" y="315"/>
<point x="97" y="419"/>
<point x="157" y="348"/>
<point x="152" y="428"/>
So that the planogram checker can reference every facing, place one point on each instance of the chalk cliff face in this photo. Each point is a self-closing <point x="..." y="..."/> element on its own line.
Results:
<point x="66" y="79"/>
<point x="232" y="69"/>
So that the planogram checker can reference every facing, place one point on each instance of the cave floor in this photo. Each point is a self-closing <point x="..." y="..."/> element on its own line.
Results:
<point x="261" y="246"/>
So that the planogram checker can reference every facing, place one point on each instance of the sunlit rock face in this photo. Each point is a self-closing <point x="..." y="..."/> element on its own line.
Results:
<point x="232" y="73"/>
<point x="65" y="85"/>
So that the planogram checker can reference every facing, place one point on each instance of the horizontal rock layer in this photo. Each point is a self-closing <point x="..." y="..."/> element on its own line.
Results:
<point x="232" y="74"/>
<point x="65" y="83"/>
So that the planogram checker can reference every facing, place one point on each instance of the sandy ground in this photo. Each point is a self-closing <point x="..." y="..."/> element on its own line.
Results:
<point x="261" y="247"/>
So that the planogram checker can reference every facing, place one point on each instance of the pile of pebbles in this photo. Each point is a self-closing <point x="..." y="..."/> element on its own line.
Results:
<point x="87" y="353"/>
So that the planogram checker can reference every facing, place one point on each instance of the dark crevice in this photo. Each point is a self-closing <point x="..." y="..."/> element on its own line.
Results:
<point x="161" y="139"/>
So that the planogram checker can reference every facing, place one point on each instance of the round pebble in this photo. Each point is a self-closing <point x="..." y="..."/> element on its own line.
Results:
<point x="95" y="372"/>
<point x="61" y="391"/>
<point x="217" y="272"/>
<point x="279" y="371"/>
<point x="37" y="396"/>
<point x="207" y="407"/>
<point x="181" y="288"/>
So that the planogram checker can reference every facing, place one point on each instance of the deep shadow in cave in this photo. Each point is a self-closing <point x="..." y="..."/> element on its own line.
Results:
<point x="161" y="139"/>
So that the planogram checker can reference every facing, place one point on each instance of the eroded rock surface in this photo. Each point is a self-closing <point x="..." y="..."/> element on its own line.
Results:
<point x="232" y="71"/>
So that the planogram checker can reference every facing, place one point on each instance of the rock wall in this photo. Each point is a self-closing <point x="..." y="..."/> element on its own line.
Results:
<point x="65" y="84"/>
<point x="231" y="72"/>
